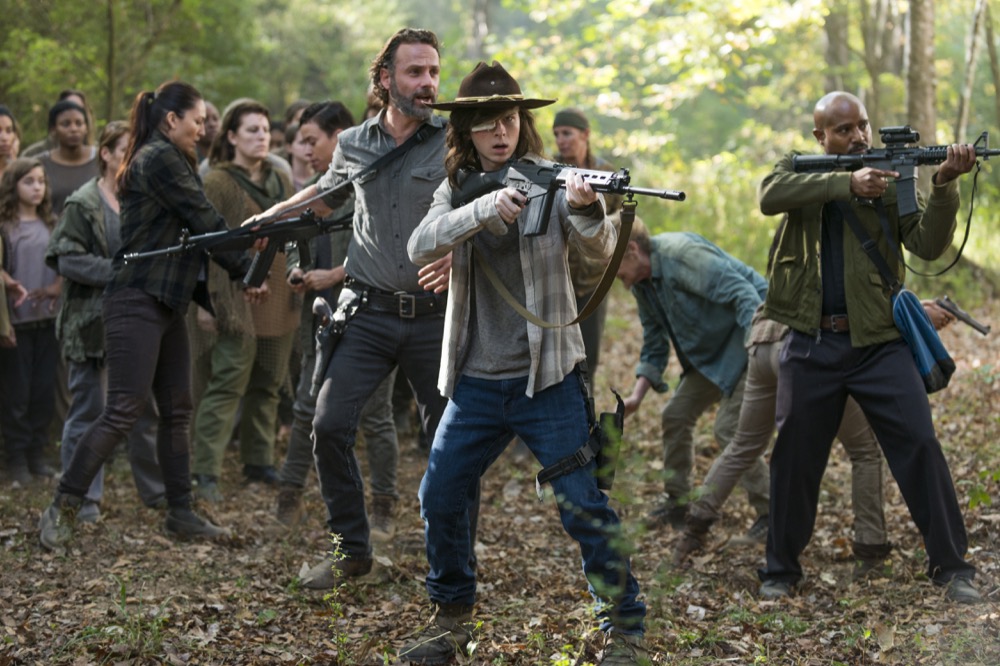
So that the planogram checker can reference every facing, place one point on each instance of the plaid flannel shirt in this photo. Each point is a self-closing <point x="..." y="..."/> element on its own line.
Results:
<point x="163" y="196"/>
<point x="548" y="285"/>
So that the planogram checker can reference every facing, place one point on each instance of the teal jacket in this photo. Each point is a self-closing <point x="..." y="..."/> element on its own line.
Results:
<point x="795" y="292"/>
<point x="707" y="298"/>
<point x="81" y="230"/>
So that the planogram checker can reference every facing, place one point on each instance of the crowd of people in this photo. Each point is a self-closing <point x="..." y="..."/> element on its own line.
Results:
<point x="176" y="356"/>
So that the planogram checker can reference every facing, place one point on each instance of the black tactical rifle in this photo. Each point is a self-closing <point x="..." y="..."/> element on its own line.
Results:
<point x="896" y="156"/>
<point x="535" y="180"/>
<point x="296" y="230"/>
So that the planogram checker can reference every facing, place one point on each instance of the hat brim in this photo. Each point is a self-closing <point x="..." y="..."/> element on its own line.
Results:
<point x="495" y="102"/>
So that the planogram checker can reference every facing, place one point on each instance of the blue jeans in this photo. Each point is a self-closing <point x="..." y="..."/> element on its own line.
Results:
<point x="478" y="423"/>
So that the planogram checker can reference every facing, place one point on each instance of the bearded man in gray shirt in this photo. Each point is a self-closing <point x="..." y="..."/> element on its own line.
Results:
<point x="398" y="321"/>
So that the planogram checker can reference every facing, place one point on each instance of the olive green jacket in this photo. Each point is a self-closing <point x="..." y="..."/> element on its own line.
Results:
<point x="795" y="292"/>
<point x="81" y="230"/>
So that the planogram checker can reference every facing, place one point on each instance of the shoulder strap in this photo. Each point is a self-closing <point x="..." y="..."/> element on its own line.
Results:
<point x="869" y="246"/>
<point x="627" y="217"/>
<point x="419" y="136"/>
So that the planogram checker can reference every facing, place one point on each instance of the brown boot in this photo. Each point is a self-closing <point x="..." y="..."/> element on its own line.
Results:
<point x="289" y="511"/>
<point x="383" y="522"/>
<point x="694" y="538"/>
<point x="327" y="574"/>
<point x="449" y="632"/>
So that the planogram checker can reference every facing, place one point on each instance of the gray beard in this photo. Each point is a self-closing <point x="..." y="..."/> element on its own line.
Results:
<point x="406" y="104"/>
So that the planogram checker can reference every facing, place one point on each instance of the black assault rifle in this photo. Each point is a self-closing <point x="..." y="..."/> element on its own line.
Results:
<point x="535" y="180"/>
<point x="296" y="230"/>
<point x="896" y="156"/>
<point x="960" y="314"/>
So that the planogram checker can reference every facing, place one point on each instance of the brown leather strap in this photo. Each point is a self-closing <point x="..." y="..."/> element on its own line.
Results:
<point x="835" y="323"/>
<point x="610" y="273"/>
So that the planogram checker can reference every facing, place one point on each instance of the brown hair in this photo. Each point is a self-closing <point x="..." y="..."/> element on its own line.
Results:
<point x="9" y="201"/>
<point x="149" y="112"/>
<point x="640" y="234"/>
<point x="222" y="150"/>
<point x="110" y="135"/>
<point x="462" y="152"/>
<point x="387" y="56"/>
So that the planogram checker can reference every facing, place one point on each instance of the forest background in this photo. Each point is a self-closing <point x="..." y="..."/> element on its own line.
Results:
<point x="700" y="96"/>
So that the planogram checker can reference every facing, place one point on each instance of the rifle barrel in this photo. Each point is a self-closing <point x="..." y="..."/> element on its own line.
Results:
<point x="673" y="195"/>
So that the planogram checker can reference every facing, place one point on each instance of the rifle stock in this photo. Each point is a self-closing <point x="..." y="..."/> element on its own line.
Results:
<point x="534" y="180"/>
<point x="896" y="156"/>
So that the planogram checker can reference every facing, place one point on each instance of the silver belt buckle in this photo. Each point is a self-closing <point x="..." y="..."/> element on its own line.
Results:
<point x="407" y="305"/>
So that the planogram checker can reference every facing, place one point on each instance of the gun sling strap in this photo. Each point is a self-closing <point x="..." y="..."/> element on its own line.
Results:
<point x="419" y="136"/>
<point x="627" y="217"/>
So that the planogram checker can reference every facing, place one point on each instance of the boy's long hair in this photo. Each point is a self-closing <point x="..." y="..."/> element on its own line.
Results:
<point x="10" y="202"/>
<point x="462" y="152"/>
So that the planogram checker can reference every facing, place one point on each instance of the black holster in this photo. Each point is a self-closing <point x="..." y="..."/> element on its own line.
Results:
<point x="603" y="444"/>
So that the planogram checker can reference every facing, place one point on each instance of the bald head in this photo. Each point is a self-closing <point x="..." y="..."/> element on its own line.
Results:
<point x="841" y="124"/>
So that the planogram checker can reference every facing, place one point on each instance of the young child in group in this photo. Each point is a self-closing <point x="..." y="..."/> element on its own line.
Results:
<point x="28" y="369"/>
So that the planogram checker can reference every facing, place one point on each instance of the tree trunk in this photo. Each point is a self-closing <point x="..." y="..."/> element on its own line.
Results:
<point x="971" y="57"/>
<point x="921" y="80"/>
<point x="480" y="30"/>
<point x="838" y="53"/>
<point x="112" y="96"/>
<point x="994" y="60"/>
<point x="882" y="29"/>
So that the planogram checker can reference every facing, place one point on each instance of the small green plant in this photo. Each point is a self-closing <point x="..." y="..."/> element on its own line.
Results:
<point x="137" y="633"/>
<point x="338" y="620"/>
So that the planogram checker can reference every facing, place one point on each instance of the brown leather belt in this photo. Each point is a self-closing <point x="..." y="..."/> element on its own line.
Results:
<point x="835" y="323"/>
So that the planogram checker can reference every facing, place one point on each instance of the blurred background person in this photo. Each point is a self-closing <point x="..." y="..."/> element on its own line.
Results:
<point x="49" y="142"/>
<point x="10" y="137"/>
<point x="28" y="369"/>
<point x="251" y="348"/>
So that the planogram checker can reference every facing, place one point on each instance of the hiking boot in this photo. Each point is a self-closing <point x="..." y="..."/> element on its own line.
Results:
<point x="206" y="487"/>
<point x="41" y="469"/>
<point x="326" y="574"/>
<point x="869" y="560"/>
<point x="90" y="512"/>
<point x="757" y="534"/>
<point x="289" y="511"/>
<point x="383" y="524"/>
<point x="449" y="632"/>
<point x="961" y="591"/>
<point x="55" y="527"/>
<point x="774" y="589"/>
<point x="669" y="512"/>
<point x="183" y="523"/>
<point x="260" y="474"/>
<point x="694" y="539"/>
<point x="18" y="475"/>
<point x="623" y="649"/>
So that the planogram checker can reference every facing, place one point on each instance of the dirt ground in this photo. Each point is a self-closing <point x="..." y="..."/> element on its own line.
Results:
<point x="126" y="594"/>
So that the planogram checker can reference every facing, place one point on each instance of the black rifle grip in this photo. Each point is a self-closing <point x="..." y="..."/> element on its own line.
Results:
<point x="261" y="265"/>
<point x="305" y="256"/>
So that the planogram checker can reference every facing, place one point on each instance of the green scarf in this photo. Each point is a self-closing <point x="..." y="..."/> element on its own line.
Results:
<point x="266" y="194"/>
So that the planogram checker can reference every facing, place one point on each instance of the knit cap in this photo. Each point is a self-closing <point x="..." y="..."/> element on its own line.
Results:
<point x="571" y="118"/>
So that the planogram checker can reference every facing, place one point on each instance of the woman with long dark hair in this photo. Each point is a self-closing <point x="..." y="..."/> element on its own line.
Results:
<point x="144" y="306"/>
<point x="251" y="346"/>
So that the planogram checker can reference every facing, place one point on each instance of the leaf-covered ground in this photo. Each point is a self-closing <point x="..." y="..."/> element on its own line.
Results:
<point x="126" y="594"/>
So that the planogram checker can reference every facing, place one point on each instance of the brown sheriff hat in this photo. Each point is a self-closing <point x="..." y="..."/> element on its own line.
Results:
<point x="490" y="87"/>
